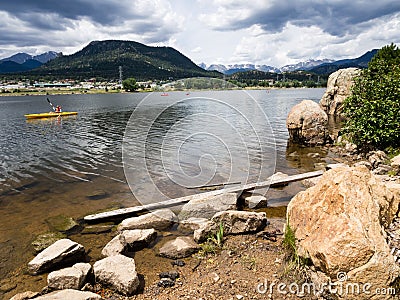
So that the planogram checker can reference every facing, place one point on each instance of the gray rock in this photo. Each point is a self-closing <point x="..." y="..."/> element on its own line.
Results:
<point x="62" y="252"/>
<point x="69" y="278"/>
<point x="128" y="241"/>
<point x="191" y="224"/>
<point x="307" y="124"/>
<point x="159" y="219"/>
<point x="179" y="248"/>
<point x="114" y="247"/>
<point x="207" y="207"/>
<point x="377" y="158"/>
<point x="382" y="169"/>
<point x="69" y="294"/>
<point x="117" y="272"/>
<point x="205" y="230"/>
<point x="234" y="222"/>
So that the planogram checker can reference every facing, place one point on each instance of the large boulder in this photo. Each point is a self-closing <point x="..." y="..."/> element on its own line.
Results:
<point x="233" y="222"/>
<point x="117" y="272"/>
<point x="61" y="253"/>
<point x="338" y="89"/>
<point x="159" y="219"/>
<point x="69" y="278"/>
<point x="129" y="241"/>
<point x="307" y="124"/>
<point x="179" y="248"/>
<point x="340" y="225"/>
<point x="208" y="206"/>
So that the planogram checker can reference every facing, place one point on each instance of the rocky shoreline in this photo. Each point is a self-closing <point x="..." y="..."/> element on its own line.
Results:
<point x="115" y="276"/>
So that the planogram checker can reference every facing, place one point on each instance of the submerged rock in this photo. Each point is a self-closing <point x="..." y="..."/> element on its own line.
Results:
<point x="62" y="223"/>
<point x="60" y="253"/>
<point x="339" y="224"/>
<point x="307" y="124"/>
<point x="44" y="240"/>
<point x="97" y="229"/>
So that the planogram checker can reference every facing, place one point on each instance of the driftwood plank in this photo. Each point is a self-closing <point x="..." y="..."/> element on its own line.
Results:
<point x="178" y="201"/>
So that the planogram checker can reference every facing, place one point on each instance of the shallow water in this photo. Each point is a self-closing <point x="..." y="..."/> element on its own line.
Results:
<point x="119" y="151"/>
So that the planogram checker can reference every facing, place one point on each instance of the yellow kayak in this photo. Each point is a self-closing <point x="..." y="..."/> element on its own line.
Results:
<point x="50" y="114"/>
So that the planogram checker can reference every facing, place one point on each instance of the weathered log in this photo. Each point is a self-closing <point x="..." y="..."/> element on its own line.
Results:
<point x="178" y="201"/>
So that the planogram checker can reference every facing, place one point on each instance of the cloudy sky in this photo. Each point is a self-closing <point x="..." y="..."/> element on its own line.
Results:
<point x="271" y="32"/>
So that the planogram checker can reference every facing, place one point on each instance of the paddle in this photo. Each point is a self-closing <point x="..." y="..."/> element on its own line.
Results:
<point x="51" y="104"/>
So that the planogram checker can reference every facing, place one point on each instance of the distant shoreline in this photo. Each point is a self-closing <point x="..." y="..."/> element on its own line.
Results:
<point x="97" y="91"/>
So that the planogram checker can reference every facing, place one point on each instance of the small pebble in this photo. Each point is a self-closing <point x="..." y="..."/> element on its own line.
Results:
<point x="171" y="275"/>
<point x="178" y="262"/>
<point x="166" y="282"/>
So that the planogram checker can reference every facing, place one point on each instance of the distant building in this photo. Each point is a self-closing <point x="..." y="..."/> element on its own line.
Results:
<point x="52" y="85"/>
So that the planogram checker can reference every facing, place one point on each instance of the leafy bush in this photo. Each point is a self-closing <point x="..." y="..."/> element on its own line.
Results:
<point x="373" y="110"/>
<point x="130" y="84"/>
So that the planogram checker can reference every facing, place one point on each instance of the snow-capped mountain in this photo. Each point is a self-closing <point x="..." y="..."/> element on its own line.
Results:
<point x="233" y="68"/>
<point x="45" y="57"/>
<point x="305" y="65"/>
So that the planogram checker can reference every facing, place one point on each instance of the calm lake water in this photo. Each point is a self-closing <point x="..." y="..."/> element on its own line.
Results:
<point x="124" y="149"/>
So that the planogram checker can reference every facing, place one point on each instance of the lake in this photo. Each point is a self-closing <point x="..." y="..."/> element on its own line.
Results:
<point x="134" y="148"/>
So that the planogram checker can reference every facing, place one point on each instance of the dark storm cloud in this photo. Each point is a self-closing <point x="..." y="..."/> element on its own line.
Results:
<point x="106" y="12"/>
<point x="70" y="23"/>
<point x="334" y="17"/>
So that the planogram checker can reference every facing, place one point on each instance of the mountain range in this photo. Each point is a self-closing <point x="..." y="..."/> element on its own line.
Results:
<point x="324" y="66"/>
<point x="22" y="62"/>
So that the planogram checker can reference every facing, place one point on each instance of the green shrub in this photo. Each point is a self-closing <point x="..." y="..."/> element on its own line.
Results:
<point x="130" y="84"/>
<point x="373" y="110"/>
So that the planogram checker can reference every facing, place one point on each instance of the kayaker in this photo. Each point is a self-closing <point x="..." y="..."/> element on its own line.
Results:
<point x="58" y="109"/>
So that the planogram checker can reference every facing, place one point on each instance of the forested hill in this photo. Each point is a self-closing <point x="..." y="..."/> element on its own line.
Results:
<point x="101" y="60"/>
